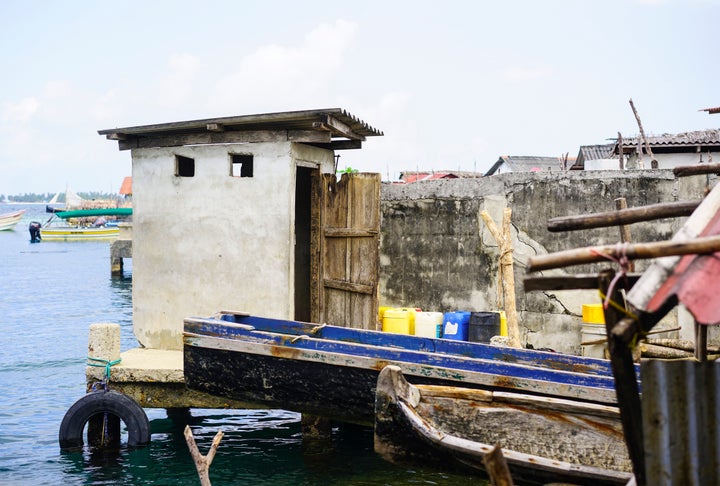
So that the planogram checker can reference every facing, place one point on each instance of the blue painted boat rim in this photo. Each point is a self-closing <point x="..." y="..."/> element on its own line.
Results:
<point x="557" y="361"/>
<point x="265" y="344"/>
<point x="407" y="351"/>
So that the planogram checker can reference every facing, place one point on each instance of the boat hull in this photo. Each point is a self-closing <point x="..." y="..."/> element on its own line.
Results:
<point x="332" y="371"/>
<point x="79" y="234"/>
<point x="9" y="220"/>
<point x="542" y="440"/>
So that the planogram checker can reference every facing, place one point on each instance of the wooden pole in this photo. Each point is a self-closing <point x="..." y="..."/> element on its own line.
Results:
<point x="625" y="237"/>
<point x="690" y="170"/>
<point x="623" y="216"/>
<point x="623" y="368"/>
<point x="653" y="162"/>
<point x="202" y="463"/>
<point x="700" y="342"/>
<point x="507" y="275"/>
<point x="637" y="251"/>
<point x="497" y="467"/>
<point x="621" y="150"/>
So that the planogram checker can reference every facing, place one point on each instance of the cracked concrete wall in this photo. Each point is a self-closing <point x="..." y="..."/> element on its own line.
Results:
<point x="437" y="254"/>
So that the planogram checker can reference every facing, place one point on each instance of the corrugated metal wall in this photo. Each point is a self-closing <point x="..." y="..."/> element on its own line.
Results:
<point x="681" y="405"/>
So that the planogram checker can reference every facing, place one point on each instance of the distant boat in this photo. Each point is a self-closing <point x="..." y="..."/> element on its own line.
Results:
<point x="79" y="233"/>
<point x="85" y="213"/>
<point x="9" y="220"/>
<point x="72" y="201"/>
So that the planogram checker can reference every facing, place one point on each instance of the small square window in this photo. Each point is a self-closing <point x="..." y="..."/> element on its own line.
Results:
<point x="184" y="166"/>
<point x="242" y="165"/>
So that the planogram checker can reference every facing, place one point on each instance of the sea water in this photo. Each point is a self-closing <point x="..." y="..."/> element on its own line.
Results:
<point x="50" y="293"/>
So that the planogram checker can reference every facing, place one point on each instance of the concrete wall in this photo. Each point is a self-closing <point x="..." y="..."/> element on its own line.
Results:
<point x="436" y="253"/>
<point x="668" y="161"/>
<point x="212" y="241"/>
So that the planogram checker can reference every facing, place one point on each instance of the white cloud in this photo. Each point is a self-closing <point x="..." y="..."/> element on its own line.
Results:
<point x="57" y="89"/>
<point x="20" y="111"/>
<point x="520" y="74"/>
<point x="176" y="87"/>
<point x="106" y="107"/>
<point x="281" y="77"/>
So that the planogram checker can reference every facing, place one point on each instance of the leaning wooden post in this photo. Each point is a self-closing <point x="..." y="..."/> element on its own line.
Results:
<point x="653" y="162"/>
<point x="623" y="367"/>
<point x="202" y="463"/>
<point x="507" y="275"/>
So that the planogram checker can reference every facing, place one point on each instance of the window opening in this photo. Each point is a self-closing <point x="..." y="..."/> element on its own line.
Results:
<point x="184" y="166"/>
<point x="242" y="165"/>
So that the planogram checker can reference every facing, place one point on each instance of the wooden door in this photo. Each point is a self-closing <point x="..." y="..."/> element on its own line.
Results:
<point x="345" y="250"/>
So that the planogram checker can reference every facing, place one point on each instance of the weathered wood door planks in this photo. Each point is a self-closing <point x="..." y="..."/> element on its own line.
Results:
<point x="346" y="247"/>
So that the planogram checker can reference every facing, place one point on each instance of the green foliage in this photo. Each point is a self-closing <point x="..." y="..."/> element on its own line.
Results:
<point x="348" y="170"/>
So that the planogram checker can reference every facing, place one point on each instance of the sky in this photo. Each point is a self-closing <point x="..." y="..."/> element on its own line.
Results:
<point x="453" y="85"/>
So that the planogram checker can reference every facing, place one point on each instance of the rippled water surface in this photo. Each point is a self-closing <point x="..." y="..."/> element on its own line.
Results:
<point x="50" y="293"/>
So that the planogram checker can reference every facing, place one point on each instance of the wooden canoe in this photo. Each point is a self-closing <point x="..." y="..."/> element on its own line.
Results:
<point x="332" y="371"/>
<point x="543" y="439"/>
<point x="9" y="220"/>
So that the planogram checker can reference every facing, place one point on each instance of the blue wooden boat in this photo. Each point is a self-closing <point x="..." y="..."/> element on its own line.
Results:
<point x="332" y="371"/>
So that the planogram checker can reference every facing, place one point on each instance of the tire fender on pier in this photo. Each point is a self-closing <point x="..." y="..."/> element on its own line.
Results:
<point x="102" y="412"/>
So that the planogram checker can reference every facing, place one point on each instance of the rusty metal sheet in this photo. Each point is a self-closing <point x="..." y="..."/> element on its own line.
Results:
<point x="694" y="282"/>
<point x="680" y="406"/>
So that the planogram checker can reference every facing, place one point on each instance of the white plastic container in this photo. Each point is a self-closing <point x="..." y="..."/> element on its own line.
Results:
<point x="429" y="324"/>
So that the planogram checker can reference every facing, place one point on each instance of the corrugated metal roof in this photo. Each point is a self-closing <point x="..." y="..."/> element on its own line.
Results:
<point x="298" y="120"/>
<point x="698" y="137"/>
<point x="328" y="125"/>
<point x="680" y="408"/>
<point x="593" y="152"/>
<point x="712" y="110"/>
<point x="527" y="163"/>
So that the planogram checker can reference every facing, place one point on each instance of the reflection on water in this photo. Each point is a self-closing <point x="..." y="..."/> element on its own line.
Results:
<point x="51" y="293"/>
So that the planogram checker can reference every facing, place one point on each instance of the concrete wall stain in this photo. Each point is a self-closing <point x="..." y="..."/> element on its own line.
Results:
<point x="436" y="254"/>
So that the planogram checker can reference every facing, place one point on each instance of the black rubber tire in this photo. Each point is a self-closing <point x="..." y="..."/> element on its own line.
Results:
<point x="111" y="402"/>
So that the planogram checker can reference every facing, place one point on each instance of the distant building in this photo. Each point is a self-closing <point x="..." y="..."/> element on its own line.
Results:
<point x="126" y="187"/>
<point x="417" y="176"/>
<point x="596" y="157"/>
<point x="673" y="150"/>
<point x="514" y="163"/>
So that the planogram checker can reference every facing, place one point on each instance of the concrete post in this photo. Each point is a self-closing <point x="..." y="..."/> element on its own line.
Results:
<point x="104" y="341"/>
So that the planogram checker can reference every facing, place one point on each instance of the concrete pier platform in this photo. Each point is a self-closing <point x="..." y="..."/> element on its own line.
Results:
<point x="152" y="377"/>
<point x="121" y="248"/>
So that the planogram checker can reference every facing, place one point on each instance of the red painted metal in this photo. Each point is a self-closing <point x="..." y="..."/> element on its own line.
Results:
<point x="695" y="282"/>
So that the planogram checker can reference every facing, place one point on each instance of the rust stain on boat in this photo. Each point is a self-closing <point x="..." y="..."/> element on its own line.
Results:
<point x="285" y="352"/>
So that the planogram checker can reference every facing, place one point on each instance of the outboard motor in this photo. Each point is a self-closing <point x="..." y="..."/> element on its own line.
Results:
<point x="34" y="229"/>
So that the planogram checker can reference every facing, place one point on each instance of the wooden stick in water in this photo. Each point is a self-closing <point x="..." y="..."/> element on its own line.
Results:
<point x="202" y="463"/>
<point x="497" y="467"/>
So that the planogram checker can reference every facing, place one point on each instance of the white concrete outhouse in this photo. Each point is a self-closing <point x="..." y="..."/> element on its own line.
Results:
<point x="228" y="214"/>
